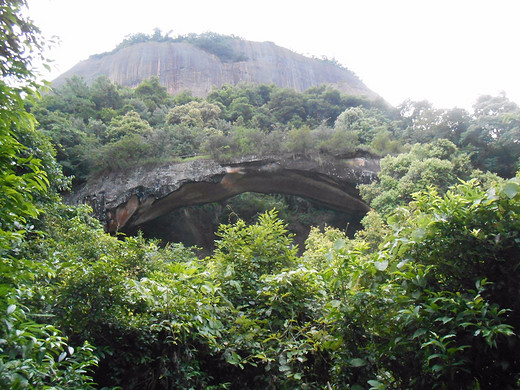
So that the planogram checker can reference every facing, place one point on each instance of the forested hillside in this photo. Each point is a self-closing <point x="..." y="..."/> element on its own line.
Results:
<point x="424" y="296"/>
<point x="106" y="126"/>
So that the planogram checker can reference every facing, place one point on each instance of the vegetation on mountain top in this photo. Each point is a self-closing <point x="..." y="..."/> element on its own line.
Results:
<point x="99" y="127"/>
<point x="217" y="44"/>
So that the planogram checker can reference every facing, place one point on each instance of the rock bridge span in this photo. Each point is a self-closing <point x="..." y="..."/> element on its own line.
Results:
<point x="124" y="200"/>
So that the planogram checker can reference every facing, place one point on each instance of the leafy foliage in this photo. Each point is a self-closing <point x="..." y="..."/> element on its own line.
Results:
<point x="217" y="44"/>
<point x="493" y="136"/>
<point x="86" y="123"/>
<point x="431" y="309"/>
<point x="105" y="126"/>
<point x="32" y="354"/>
<point x="438" y="165"/>
<point x="489" y="134"/>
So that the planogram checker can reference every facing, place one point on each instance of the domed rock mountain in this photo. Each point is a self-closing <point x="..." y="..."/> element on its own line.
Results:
<point x="197" y="63"/>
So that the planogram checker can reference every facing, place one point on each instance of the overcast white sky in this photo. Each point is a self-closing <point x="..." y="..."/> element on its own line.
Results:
<point x="446" y="51"/>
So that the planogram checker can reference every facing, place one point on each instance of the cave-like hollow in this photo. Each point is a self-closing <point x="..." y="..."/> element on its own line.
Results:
<point x="195" y="226"/>
<point x="142" y="207"/>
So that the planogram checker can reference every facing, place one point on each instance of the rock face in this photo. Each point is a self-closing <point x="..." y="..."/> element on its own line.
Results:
<point x="182" y="66"/>
<point x="125" y="200"/>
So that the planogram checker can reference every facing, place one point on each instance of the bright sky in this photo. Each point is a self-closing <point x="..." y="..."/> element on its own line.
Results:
<point x="446" y="51"/>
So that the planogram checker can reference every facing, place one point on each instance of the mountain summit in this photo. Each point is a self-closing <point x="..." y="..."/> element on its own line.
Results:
<point x="197" y="63"/>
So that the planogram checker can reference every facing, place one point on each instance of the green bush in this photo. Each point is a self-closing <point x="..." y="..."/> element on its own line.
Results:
<point x="33" y="354"/>
<point x="436" y="306"/>
<point x="272" y="329"/>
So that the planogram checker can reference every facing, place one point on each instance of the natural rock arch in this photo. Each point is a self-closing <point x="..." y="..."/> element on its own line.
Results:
<point x="126" y="199"/>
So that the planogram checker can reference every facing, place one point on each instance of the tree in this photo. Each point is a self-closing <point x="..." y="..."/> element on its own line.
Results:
<point x="273" y="321"/>
<point x="287" y="105"/>
<point x="300" y="140"/>
<point x="104" y="94"/>
<point x="32" y="355"/>
<point x="493" y="135"/>
<point x="423" y="123"/>
<point x="244" y="253"/>
<point x="183" y="98"/>
<point x="240" y="108"/>
<point x="76" y="98"/>
<point x="365" y="124"/>
<point x="242" y="100"/>
<point x="194" y="114"/>
<point x="439" y="164"/>
<point x="219" y="45"/>
<point x="384" y="143"/>
<point x="18" y="34"/>
<point x="127" y="125"/>
<point x="72" y="143"/>
<point x="336" y="142"/>
<point x="435" y="305"/>
<point x="348" y="118"/>
<point x="323" y="104"/>
<point x="152" y="93"/>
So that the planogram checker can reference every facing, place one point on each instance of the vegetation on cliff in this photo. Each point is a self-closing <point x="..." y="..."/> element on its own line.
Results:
<point x="425" y="296"/>
<point x="217" y="44"/>
<point x="105" y="126"/>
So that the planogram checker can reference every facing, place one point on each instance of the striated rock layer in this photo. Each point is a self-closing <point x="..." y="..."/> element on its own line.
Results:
<point x="125" y="200"/>
<point x="182" y="66"/>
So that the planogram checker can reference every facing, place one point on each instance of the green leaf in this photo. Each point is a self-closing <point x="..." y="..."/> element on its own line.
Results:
<point x="418" y="234"/>
<point x="284" y="368"/>
<point x="437" y="367"/>
<point x="340" y="243"/>
<point x="510" y="189"/>
<point x="234" y="358"/>
<point x="11" y="308"/>
<point x="329" y="256"/>
<point x="418" y="332"/>
<point x="381" y="265"/>
<point x="357" y="362"/>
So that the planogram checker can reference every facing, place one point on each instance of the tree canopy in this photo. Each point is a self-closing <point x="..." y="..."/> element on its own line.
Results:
<point x="32" y="354"/>
<point x="217" y="44"/>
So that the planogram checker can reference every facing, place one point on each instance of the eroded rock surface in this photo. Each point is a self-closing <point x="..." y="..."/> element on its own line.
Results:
<point x="125" y="200"/>
<point x="182" y="66"/>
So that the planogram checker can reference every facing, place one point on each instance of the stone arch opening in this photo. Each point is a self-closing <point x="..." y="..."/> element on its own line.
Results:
<point x="322" y="189"/>
<point x="128" y="200"/>
<point x="197" y="225"/>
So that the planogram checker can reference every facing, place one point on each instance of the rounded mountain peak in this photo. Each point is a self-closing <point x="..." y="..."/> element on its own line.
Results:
<point x="199" y="65"/>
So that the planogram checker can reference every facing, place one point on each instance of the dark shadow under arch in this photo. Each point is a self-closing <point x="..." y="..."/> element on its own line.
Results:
<point x="320" y="188"/>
